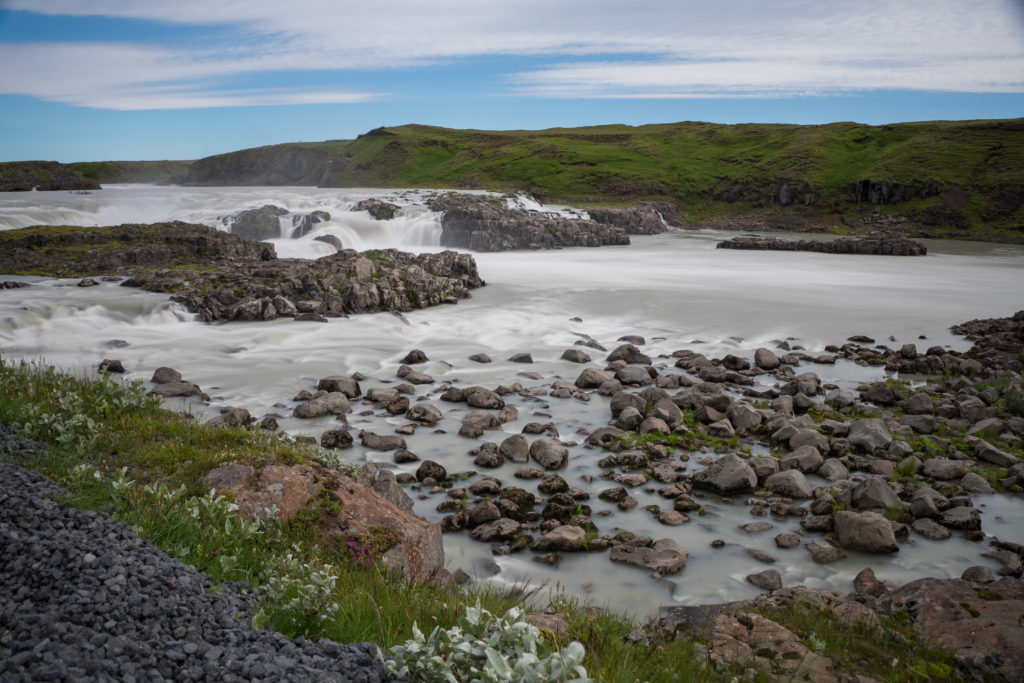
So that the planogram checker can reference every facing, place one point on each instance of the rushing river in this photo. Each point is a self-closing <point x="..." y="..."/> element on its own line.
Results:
<point x="674" y="289"/>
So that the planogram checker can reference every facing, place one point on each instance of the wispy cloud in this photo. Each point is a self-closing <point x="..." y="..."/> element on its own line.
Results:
<point x="597" y="48"/>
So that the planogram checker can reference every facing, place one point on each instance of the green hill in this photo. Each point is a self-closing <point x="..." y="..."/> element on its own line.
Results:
<point x="961" y="178"/>
<point x="132" y="171"/>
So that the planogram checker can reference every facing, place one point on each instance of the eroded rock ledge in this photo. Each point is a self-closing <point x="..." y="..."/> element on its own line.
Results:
<point x="485" y="224"/>
<point x="875" y="244"/>
<point x="222" y="277"/>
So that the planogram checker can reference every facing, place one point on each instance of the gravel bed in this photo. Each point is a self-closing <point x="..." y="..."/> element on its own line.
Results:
<point x="83" y="598"/>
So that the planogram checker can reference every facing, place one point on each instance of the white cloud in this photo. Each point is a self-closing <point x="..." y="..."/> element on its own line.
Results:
<point x="646" y="48"/>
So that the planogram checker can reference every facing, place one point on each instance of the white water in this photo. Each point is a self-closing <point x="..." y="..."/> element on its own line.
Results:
<point x="675" y="289"/>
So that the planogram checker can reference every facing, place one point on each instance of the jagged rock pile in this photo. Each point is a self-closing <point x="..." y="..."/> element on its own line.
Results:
<point x="485" y="224"/>
<point x="876" y="243"/>
<point x="222" y="277"/>
<point x="82" y="597"/>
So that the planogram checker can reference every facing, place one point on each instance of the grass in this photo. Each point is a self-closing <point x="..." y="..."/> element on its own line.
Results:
<point x="116" y="450"/>
<point x="131" y="171"/>
<point x="708" y="170"/>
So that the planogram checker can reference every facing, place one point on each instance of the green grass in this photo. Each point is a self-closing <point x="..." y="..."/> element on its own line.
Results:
<point x="708" y="170"/>
<point x="131" y="171"/>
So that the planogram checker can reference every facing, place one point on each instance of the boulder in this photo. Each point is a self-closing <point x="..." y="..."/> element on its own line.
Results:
<point x="765" y="359"/>
<point x="575" y="356"/>
<point x="549" y="453"/>
<point x="333" y="403"/>
<point x="628" y="353"/>
<point x="805" y="459"/>
<point x="983" y="450"/>
<point x="791" y="483"/>
<point x="729" y="474"/>
<point x="515" y="448"/>
<point x="424" y="413"/>
<point x="944" y="469"/>
<point x="874" y="492"/>
<point x="564" y="538"/>
<point x="662" y="558"/>
<point x="592" y="378"/>
<point x="336" y="438"/>
<point x="868" y="532"/>
<point x="258" y="224"/>
<point x="768" y="580"/>
<point x="823" y="552"/>
<point x="869" y="434"/>
<point x="379" y="210"/>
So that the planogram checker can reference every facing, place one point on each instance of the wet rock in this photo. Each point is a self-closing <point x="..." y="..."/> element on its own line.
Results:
<point x="672" y="518"/>
<point x="379" y="210"/>
<point x="515" y="448"/>
<point x="564" y="538"/>
<point x="482" y="513"/>
<point x="832" y="470"/>
<point x="336" y="438"/>
<point x="503" y="529"/>
<point x="346" y="385"/>
<point x="868" y="532"/>
<point x="381" y="442"/>
<point x="978" y="574"/>
<point x="552" y="483"/>
<point x="974" y="483"/>
<point x="480" y="358"/>
<point x="791" y="483"/>
<point x="961" y="518"/>
<point x="663" y="558"/>
<point x="476" y="422"/>
<point x="765" y="359"/>
<point x="429" y="469"/>
<point x="333" y="403"/>
<point x="424" y="413"/>
<point x="549" y="453"/>
<point x="1010" y="563"/>
<point x="415" y="356"/>
<point x="805" y="459"/>
<point x="575" y="356"/>
<point x="768" y="580"/>
<point x="823" y="552"/>
<point x="520" y="358"/>
<point x="592" y="378"/>
<point x="111" y="365"/>
<point x="786" y="541"/>
<point x="729" y="474"/>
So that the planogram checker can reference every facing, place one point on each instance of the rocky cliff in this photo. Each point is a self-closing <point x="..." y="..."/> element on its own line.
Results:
<point x="878" y="244"/>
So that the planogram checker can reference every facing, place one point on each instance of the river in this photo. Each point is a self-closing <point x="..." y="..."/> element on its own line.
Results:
<point x="674" y="289"/>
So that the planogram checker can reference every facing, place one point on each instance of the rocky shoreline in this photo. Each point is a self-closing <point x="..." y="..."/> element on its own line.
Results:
<point x="878" y="244"/>
<point x="901" y="463"/>
<point x="222" y="277"/>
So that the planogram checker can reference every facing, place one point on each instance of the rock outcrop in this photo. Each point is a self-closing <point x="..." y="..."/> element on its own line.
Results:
<point x="485" y="224"/>
<point x="643" y="219"/>
<point x="366" y="516"/>
<point x="878" y="244"/>
<point x="222" y="277"/>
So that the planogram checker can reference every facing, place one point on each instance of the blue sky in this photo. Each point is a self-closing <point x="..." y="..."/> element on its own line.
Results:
<point x="180" y="79"/>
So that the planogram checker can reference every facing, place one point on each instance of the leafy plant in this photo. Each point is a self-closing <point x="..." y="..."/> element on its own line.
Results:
<point x="485" y="648"/>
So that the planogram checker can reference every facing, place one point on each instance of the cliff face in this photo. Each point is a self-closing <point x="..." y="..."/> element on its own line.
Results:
<point x="275" y="165"/>
<point x="23" y="176"/>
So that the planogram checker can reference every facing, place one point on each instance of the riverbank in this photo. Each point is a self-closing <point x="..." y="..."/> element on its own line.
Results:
<point x="806" y="631"/>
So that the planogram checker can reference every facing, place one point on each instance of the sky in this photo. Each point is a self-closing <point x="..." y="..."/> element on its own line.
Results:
<point x="90" y="80"/>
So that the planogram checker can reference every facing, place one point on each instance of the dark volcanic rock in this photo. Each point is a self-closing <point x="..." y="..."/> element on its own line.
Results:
<point x="382" y="211"/>
<point x="222" y="277"/>
<point x="636" y="220"/>
<point x="998" y="342"/>
<point x="257" y="224"/>
<point x="878" y="244"/>
<point x="484" y="224"/>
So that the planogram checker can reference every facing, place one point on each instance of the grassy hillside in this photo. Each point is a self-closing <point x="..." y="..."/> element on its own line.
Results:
<point x="944" y="176"/>
<point x="132" y="171"/>
<point x="24" y="176"/>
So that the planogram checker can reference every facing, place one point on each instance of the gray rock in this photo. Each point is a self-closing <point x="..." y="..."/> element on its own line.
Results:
<point x="930" y="529"/>
<point x="766" y="359"/>
<point x="983" y="450"/>
<point x="592" y="378"/>
<point x="564" y="538"/>
<point x="874" y="492"/>
<point x="805" y="459"/>
<point x="663" y="558"/>
<point x="768" y="580"/>
<point x="515" y="448"/>
<point x="974" y="483"/>
<point x="791" y="483"/>
<point x="575" y="356"/>
<point x="729" y="474"/>
<point x="868" y="532"/>
<point x="961" y="518"/>
<point x="832" y="470"/>
<point x="550" y="454"/>
<point x="381" y="442"/>
<point x="425" y="413"/>
<point x="869" y="434"/>
<point x="823" y="552"/>
<point x="943" y="469"/>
